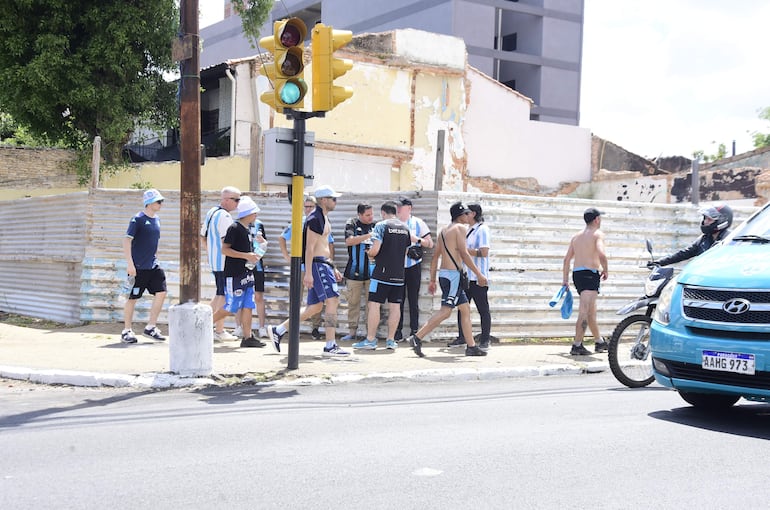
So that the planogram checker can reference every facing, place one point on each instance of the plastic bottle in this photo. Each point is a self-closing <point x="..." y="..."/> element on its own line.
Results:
<point x="128" y="284"/>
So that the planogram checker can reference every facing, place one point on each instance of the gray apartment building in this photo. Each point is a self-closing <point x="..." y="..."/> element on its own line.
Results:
<point x="531" y="46"/>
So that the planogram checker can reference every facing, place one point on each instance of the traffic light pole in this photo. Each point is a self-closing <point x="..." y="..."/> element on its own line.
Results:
<point x="297" y="196"/>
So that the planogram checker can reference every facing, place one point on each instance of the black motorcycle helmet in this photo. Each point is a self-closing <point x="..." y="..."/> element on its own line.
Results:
<point x="722" y="215"/>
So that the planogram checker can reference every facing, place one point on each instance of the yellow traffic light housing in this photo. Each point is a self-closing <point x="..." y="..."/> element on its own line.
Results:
<point x="286" y="72"/>
<point x="324" y="42"/>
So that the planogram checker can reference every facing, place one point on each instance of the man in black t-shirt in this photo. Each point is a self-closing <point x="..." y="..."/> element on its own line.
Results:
<point x="238" y="249"/>
<point x="390" y="240"/>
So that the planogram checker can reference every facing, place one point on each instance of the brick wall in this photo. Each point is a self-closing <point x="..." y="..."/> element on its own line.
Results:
<point x="33" y="168"/>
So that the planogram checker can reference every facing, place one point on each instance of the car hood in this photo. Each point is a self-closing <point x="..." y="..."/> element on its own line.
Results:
<point x="739" y="265"/>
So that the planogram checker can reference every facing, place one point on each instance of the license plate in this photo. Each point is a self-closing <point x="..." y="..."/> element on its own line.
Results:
<point x="735" y="362"/>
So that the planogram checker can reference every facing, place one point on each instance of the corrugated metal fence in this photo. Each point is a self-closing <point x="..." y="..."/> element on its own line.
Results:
<point x="61" y="256"/>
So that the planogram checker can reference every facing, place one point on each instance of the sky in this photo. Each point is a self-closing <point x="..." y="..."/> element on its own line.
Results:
<point x="669" y="77"/>
<point x="666" y="77"/>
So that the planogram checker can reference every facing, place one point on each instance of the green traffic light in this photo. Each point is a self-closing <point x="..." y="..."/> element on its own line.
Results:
<point x="290" y="93"/>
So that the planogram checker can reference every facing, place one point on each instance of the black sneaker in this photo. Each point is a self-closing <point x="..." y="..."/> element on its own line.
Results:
<point x="457" y="342"/>
<point x="154" y="333"/>
<point x="315" y="334"/>
<point x="252" y="342"/>
<point x="579" y="350"/>
<point x="273" y="332"/>
<point x="484" y="345"/>
<point x="398" y="337"/>
<point x="474" y="351"/>
<point x="416" y="345"/>
<point x="601" y="347"/>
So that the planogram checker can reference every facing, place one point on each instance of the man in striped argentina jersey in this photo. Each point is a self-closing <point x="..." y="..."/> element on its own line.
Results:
<point x="218" y="219"/>
<point x="478" y="240"/>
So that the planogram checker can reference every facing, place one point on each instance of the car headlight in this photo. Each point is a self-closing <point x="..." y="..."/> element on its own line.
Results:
<point x="662" y="311"/>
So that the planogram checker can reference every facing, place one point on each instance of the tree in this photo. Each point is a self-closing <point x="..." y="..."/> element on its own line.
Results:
<point x="75" y="69"/>
<point x="762" y="139"/>
<point x="253" y="15"/>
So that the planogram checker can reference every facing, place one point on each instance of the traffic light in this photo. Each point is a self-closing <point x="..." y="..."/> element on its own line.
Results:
<point x="324" y="42"/>
<point x="286" y="71"/>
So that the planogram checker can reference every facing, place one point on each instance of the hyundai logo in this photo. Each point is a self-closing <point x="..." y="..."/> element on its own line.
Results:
<point x="737" y="306"/>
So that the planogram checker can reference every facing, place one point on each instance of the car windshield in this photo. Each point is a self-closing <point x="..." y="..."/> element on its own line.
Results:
<point x="756" y="227"/>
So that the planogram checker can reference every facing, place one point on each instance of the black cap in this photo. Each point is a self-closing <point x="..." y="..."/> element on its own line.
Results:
<point x="591" y="214"/>
<point x="403" y="201"/>
<point x="457" y="209"/>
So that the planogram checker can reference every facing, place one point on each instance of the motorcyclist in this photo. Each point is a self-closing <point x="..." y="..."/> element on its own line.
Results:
<point x="714" y="226"/>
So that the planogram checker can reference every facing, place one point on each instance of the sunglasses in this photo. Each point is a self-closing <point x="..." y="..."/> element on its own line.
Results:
<point x="159" y="201"/>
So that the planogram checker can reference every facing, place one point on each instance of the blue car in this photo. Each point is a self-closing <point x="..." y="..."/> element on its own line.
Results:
<point x="710" y="336"/>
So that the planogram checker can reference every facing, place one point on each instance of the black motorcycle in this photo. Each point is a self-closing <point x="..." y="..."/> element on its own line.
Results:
<point x="629" y="350"/>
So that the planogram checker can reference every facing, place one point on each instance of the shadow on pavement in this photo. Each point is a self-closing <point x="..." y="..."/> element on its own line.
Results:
<point x="45" y="416"/>
<point x="749" y="420"/>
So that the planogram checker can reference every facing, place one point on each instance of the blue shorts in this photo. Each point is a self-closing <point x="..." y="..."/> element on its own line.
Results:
<point x="451" y="293"/>
<point x="324" y="283"/>
<point x="380" y="292"/>
<point x="239" y="293"/>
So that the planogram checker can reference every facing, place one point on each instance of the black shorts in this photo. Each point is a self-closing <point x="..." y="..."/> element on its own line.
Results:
<point x="586" y="279"/>
<point x="151" y="280"/>
<point x="219" y="279"/>
<point x="383" y="293"/>
<point x="259" y="281"/>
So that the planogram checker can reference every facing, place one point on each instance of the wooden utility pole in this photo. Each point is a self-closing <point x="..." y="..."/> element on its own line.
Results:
<point x="190" y="135"/>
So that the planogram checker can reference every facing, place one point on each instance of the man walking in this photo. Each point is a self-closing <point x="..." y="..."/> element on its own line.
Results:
<point x="358" y="234"/>
<point x="390" y="239"/>
<point x="218" y="219"/>
<point x="140" y="248"/>
<point x="421" y="239"/>
<point x="240" y="259"/>
<point x="478" y="241"/>
<point x="451" y="251"/>
<point x="285" y="238"/>
<point x="590" y="267"/>
<point x="320" y="276"/>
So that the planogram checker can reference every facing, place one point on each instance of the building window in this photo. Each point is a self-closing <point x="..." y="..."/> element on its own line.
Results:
<point x="511" y="84"/>
<point x="509" y="42"/>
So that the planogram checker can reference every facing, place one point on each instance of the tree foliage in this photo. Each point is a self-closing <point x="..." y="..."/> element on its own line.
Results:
<point x="75" y="69"/>
<point x="762" y="139"/>
<point x="253" y="15"/>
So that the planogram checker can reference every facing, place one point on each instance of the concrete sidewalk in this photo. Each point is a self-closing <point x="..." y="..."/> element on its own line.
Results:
<point x="93" y="355"/>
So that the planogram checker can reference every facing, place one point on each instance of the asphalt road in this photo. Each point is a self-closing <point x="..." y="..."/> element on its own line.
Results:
<point x="561" y="442"/>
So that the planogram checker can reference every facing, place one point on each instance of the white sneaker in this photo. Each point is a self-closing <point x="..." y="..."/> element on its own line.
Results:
<point x="238" y="331"/>
<point x="263" y="333"/>
<point x="224" y="336"/>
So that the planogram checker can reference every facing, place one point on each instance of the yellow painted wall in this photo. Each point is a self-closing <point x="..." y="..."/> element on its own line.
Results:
<point x="215" y="174"/>
<point x="378" y="114"/>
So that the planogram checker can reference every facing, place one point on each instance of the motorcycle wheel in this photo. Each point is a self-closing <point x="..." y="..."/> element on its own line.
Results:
<point x="629" y="352"/>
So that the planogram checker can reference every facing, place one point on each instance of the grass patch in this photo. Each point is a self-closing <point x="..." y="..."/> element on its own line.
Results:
<point x="29" y="322"/>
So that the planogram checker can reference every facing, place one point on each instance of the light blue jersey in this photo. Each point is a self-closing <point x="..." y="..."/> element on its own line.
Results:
<point x="214" y="228"/>
<point x="420" y="229"/>
<point x="478" y="237"/>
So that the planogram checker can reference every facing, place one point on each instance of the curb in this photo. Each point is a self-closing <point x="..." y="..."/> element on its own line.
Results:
<point x="167" y="380"/>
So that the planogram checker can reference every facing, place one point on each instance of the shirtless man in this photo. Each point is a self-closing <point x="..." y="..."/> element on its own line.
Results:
<point x="320" y="277"/>
<point x="587" y="248"/>
<point x="451" y="243"/>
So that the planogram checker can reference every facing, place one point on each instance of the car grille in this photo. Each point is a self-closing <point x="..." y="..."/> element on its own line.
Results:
<point x="693" y="372"/>
<point x="705" y="304"/>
